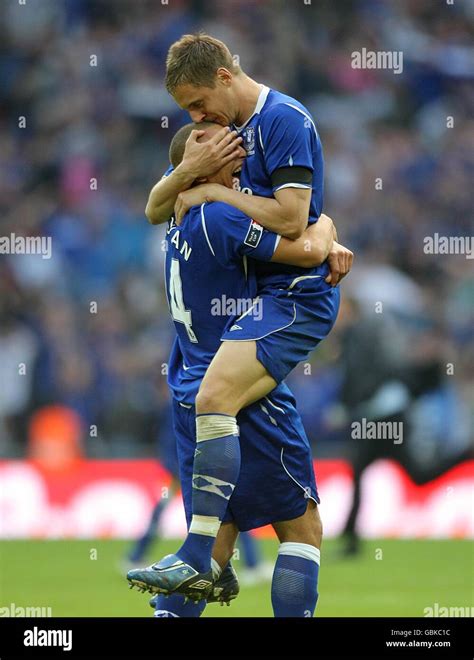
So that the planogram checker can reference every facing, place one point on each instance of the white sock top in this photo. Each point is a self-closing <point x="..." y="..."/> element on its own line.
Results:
<point x="303" y="550"/>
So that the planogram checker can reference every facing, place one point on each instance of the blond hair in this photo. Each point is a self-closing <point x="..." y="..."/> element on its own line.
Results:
<point x="194" y="60"/>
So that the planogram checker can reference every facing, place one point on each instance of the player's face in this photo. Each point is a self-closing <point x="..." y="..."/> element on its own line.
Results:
<point x="214" y="104"/>
<point x="225" y="176"/>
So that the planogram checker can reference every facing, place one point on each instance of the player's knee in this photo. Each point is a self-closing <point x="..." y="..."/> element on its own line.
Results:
<point x="309" y="529"/>
<point x="312" y="536"/>
<point x="213" y="397"/>
<point x="318" y="531"/>
<point x="315" y="526"/>
<point x="207" y="400"/>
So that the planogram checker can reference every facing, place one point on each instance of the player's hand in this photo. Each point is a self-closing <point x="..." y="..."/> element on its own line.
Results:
<point x="203" y="159"/>
<point x="192" y="197"/>
<point x="340" y="262"/>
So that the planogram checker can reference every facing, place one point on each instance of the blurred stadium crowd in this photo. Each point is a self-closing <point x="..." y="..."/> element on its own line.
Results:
<point x="91" y="324"/>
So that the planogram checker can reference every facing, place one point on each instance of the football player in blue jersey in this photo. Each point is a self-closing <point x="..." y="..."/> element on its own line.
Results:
<point x="269" y="477"/>
<point x="281" y="189"/>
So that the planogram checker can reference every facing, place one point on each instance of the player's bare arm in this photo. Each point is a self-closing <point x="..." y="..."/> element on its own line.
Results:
<point x="200" y="159"/>
<point x="311" y="249"/>
<point x="339" y="258"/>
<point x="285" y="214"/>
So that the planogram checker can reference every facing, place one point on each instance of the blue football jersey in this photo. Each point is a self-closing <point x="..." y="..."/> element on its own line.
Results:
<point x="280" y="134"/>
<point x="209" y="282"/>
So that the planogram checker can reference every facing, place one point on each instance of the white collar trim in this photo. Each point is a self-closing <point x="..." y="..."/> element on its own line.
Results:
<point x="262" y="98"/>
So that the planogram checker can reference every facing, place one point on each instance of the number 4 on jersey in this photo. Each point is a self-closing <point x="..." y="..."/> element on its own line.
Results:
<point x="178" y="309"/>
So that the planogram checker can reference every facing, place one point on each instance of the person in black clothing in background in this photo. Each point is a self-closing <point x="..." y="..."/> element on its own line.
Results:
<point x="378" y="387"/>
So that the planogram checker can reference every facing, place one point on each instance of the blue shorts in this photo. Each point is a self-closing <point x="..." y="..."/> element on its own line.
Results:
<point x="167" y="452"/>
<point x="288" y="324"/>
<point x="276" y="475"/>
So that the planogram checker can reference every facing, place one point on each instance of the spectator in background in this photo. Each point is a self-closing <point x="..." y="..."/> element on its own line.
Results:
<point x="387" y="393"/>
<point x="97" y="137"/>
<point x="18" y="348"/>
<point x="55" y="438"/>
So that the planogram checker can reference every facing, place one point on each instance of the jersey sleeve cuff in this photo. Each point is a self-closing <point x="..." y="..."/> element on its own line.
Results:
<point x="302" y="186"/>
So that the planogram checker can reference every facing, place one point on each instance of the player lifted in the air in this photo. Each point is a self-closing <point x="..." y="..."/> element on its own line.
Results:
<point x="282" y="184"/>
<point x="208" y="259"/>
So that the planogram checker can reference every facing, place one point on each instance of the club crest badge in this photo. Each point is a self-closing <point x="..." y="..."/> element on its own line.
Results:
<point x="249" y="140"/>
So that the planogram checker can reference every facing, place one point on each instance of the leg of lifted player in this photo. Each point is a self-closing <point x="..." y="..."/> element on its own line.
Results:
<point x="226" y="585"/>
<point x="234" y="379"/>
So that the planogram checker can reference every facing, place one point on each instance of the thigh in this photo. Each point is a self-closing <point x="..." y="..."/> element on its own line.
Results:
<point x="234" y="379"/>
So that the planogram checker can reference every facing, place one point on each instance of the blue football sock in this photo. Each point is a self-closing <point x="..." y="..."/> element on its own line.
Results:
<point x="295" y="580"/>
<point x="174" y="606"/>
<point x="215" y="473"/>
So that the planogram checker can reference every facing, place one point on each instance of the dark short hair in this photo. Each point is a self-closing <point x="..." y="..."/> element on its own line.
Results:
<point x="178" y="142"/>
<point x="194" y="60"/>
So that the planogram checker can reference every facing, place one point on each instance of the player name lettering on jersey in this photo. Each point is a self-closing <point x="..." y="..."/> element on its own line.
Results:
<point x="184" y="248"/>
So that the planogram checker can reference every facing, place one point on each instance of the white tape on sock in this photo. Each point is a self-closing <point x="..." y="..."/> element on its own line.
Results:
<point x="210" y="427"/>
<point x="205" y="525"/>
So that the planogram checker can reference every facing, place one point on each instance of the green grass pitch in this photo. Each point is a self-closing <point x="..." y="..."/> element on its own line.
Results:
<point x="389" y="578"/>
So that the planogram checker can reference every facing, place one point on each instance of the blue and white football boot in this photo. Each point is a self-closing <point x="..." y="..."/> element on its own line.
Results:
<point x="172" y="575"/>
<point x="225" y="588"/>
